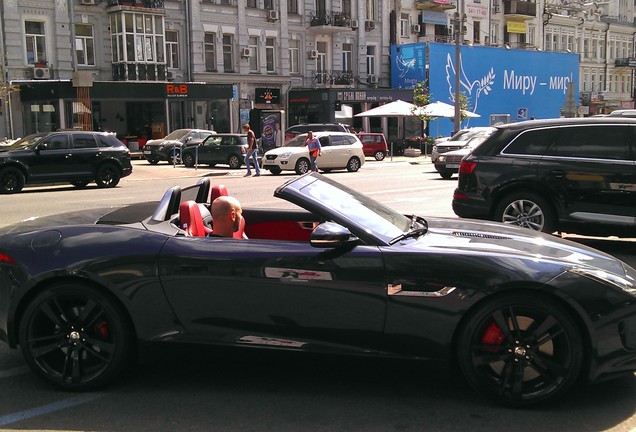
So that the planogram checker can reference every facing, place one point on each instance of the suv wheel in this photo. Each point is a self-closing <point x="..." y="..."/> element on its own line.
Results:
<point x="234" y="162"/>
<point x="11" y="180"/>
<point x="379" y="155"/>
<point x="275" y="170"/>
<point x="528" y="210"/>
<point x="107" y="176"/>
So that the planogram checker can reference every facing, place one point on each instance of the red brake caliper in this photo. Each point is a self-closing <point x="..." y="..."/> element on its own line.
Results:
<point x="101" y="329"/>
<point x="492" y="336"/>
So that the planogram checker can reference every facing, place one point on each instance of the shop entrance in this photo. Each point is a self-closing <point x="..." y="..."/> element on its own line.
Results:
<point x="146" y="119"/>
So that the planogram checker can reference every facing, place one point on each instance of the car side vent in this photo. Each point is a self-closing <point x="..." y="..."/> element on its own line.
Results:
<point x="478" y="235"/>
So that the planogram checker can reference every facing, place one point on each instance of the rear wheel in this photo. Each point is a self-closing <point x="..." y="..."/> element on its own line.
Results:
<point x="175" y="158"/>
<point x="302" y="166"/>
<point x="379" y="155"/>
<point x="188" y="160"/>
<point x="75" y="337"/>
<point x="11" y="180"/>
<point x="234" y="162"/>
<point x="353" y="165"/>
<point x="108" y="176"/>
<point x="528" y="210"/>
<point x="520" y="349"/>
<point x="446" y="174"/>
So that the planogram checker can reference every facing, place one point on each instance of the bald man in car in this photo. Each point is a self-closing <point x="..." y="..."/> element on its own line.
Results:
<point x="226" y="216"/>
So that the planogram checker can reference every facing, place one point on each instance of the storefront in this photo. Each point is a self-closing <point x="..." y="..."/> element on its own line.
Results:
<point x="145" y="110"/>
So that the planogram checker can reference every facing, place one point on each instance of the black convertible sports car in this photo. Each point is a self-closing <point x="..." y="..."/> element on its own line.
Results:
<point x="523" y="315"/>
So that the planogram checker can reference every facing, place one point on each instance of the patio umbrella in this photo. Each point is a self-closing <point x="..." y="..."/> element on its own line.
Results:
<point x="396" y="108"/>
<point x="441" y="109"/>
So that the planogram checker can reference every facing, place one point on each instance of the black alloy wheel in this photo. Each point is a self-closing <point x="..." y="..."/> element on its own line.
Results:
<point x="446" y="175"/>
<point x="108" y="176"/>
<point x="11" y="180"/>
<point x="75" y="337"/>
<point x="354" y="164"/>
<point x="527" y="210"/>
<point x="520" y="349"/>
<point x="188" y="159"/>
<point x="302" y="166"/>
<point x="379" y="155"/>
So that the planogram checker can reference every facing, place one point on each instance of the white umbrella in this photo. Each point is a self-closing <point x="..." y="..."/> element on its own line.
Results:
<point x="441" y="109"/>
<point x="396" y="108"/>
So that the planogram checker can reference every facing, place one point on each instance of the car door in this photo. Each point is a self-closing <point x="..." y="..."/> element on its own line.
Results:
<point x="52" y="158"/>
<point x="85" y="155"/>
<point x="275" y="292"/>
<point x="210" y="151"/>
<point x="592" y="170"/>
<point x="340" y="151"/>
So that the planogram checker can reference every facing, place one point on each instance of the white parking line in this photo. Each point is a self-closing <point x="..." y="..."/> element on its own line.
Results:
<point x="49" y="408"/>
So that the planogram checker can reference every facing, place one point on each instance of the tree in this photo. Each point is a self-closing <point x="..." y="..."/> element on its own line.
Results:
<point x="6" y="87"/>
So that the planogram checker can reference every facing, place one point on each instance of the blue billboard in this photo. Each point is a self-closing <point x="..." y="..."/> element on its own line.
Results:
<point x="519" y="83"/>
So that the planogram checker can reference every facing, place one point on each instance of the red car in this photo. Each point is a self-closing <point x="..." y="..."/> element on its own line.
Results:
<point x="374" y="144"/>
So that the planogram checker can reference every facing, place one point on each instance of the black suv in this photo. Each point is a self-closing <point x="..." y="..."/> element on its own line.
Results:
<point x="77" y="157"/>
<point x="572" y="175"/>
<point x="218" y="149"/>
<point x="170" y="147"/>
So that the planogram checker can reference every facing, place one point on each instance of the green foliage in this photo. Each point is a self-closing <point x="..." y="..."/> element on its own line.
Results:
<point x="5" y="87"/>
<point x="421" y="97"/>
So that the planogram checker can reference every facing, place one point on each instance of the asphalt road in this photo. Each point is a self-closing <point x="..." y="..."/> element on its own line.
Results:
<point x="194" y="388"/>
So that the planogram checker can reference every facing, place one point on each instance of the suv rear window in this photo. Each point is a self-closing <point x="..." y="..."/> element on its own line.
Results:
<point x="531" y="142"/>
<point x="593" y="142"/>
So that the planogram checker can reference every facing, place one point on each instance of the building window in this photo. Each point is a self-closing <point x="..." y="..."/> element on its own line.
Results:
<point x="84" y="45"/>
<point x="138" y="37"/>
<point x="347" y="57"/>
<point x="477" y="32"/>
<point x="346" y="7"/>
<point x="172" y="49"/>
<point x="252" y="44"/>
<point x="251" y="3"/>
<point x="294" y="56"/>
<point x="228" y="53"/>
<point x="35" y="42"/>
<point x="292" y="6"/>
<point x="404" y="25"/>
<point x="209" y="45"/>
<point x="269" y="4"/>
<point x="270" y="54"/>
<point x="371" y="10"/>
<point x="370" y="60"/>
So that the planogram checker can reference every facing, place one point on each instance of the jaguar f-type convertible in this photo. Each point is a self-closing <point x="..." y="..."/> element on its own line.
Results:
<point x="524" y="316"/>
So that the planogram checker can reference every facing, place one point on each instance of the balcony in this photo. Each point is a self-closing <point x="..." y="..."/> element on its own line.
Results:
<point x="434" y="5"/>
<point x="128" y="4"/>
<point x="329" y="22"/>
<point x="334" y="78"/>
<point x="139" y="72"/>
<point x="519" y="10"/>
<point x="625" y="62"/>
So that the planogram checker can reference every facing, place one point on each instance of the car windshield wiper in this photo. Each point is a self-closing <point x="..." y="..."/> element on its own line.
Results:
<point x="418" y="227"/>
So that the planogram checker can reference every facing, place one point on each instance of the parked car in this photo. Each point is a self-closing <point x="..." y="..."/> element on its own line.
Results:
<point x="339" y="150"/>
<point x="218" y="149"/>
<point x="169" y="148"/>
<point x="303" y="128"/>
<point x="459" y="140"/>
<point x="625" y="113"/>
<point x="522" y="315"/>
<point x="447" y="163"/>
<point x="572" y="175"/>
<point x="76" y="157"/>
<point x="374" y="145"/>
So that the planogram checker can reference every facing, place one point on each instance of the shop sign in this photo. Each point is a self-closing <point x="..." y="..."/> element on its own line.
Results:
<point x="432" y="17"/>
<point x="516" y="27"/>
<point x="267" y="96"/>
<point x="176" y="91"/>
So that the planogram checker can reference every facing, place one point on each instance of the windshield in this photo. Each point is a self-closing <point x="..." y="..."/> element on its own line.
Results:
<point x="349" y="205"/>
<point x="298" y="141"/>
<point x="25" y="142"/>
<point x="177" y="135"/>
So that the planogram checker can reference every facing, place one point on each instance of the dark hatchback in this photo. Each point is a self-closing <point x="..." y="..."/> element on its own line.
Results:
<point x="77" y="157"/>
<point x="227" y="149"/>
<point x="572" y="175"/>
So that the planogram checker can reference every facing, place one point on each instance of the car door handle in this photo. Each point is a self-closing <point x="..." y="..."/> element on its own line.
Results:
<point x="68" y="156"/>
<point x="557" y="173"/>
<point x="190" y="268"/>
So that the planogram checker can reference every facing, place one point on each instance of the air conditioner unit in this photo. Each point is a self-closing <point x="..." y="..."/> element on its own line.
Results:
<point x="372" y="79"/>
<point x="496" y="9"/>
<point x="354" y="24"/>
<point x="272" y="15"/>
<point x="89" y="2"/>
<point x="41" y="73"/>
<point x="415" y="28"/>
<point x="369" y="25"/>
<point x="170" y="75"/>
<point x="313" y="54"/>
<point x="246" y="52"/>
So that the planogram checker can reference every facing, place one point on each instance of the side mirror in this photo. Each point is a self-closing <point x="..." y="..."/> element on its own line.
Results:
<point x="330" y="235"/>
<point x="41" y="146"/>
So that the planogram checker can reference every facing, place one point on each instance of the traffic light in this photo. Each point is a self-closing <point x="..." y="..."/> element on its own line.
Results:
<point x="337" y="105"/>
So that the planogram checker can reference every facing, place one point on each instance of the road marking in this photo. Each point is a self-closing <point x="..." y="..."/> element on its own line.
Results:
<point x="14" y="371"/>
<point x="49" y="408"/>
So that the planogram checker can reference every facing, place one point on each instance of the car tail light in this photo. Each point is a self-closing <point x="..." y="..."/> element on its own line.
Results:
<point x="460" y="196"/>
<point x="467" y="167"/>
<point x="6" y="258"/>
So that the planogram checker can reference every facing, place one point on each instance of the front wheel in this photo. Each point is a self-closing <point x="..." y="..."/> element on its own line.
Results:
<point x="234" y="162"/>
<point x="302" y="166"/>
<point x="75" y="337"/>
<point x="446" y="174"/>
<point x="188" y="160"/>
<point x="353" y="165"/>
<point x="528" y="210"/>
<point x="379" y="155"/>
<point x="520" y="349"/>
<point x="11" y="180"/>
<point x="108" y="176"/>
<point x="275" y="170"/>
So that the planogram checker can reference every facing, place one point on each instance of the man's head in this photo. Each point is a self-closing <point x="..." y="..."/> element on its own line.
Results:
<point x="226" y="216"/>
<point x="246" y="127"/>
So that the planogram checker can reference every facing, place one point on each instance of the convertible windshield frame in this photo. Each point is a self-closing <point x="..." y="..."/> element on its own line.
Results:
<point x="366" y="218"/>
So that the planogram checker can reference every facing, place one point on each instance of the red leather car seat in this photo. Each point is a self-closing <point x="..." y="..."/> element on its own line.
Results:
<point x="191" y="220"/>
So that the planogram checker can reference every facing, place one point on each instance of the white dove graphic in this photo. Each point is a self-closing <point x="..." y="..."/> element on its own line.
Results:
<point x="403" y="65"/>
<point x="472" y="89"/>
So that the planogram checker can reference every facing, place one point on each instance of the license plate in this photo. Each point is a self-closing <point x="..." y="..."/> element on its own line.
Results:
<point x="147" y="152"/>
<point x="450" y="166"/>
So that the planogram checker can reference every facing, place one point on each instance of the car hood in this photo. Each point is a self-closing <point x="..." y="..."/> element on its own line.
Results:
<point x="492" y="238"/>
<point x="161" y="142"/>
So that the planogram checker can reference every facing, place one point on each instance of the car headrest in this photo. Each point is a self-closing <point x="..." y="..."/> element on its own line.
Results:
<point x="191" y="220"/>
<point x="217" y="191"/>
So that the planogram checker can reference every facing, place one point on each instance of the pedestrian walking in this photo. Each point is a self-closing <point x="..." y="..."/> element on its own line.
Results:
<point x="313" y="145"/>
<point x="252" y="151"/>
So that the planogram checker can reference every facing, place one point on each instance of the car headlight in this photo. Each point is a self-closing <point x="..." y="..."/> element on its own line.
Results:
<point x="285" y="155"/>
<point x="159" y="148"/>
<point x="441" y="158"/>
<point x="606" y="278"/>
<point x="434" y="148"/>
